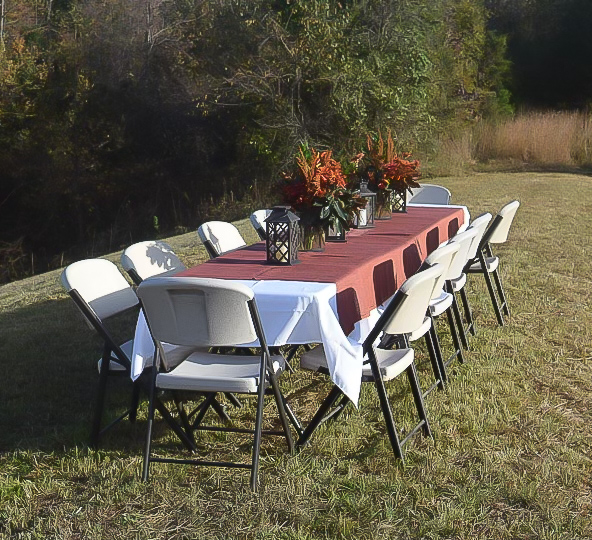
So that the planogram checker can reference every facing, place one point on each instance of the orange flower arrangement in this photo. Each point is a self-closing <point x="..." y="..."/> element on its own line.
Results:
<point x="317" y="174"/>
<point x="386" y="170"/>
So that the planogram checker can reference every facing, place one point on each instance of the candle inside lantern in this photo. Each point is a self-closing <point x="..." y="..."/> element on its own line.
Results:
<point x="361" y="219"/>
<point x="281" y="253"/>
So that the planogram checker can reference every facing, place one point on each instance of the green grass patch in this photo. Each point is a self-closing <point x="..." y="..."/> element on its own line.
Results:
<point x="512" y="451"/>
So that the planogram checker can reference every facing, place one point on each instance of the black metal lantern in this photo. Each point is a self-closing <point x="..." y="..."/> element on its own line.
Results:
<point x="283" y="236"/>
<point x="365" y="217"/>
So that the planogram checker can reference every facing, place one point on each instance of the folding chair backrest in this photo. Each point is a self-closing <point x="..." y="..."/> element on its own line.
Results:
<point x="502" y="222"/>
<point x="100" y="284"/>
<point x="200" y="312"/>
<point x="464" y="240"/>
<point x="430" y="194"/>
<point x="445" y="256"/>
<point x="479" y="224"/>
<point x="258" y="221"/>
<point x="406" y="311"/>
<point x="221" y="237"/>
<point x="148" y="259"/>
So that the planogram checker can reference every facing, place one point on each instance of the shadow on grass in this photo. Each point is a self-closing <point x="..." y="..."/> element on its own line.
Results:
<point x="49" y="380"/>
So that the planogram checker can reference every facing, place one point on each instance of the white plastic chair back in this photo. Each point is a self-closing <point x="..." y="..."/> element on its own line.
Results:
<point x="464" y="240"/>
<point x="150" y="258"/>
<point x="445" y="256"/>
<point x="479" y="224"/>
<point x="500" y="234"/>
<point x="101" y="285"/>
<point x="222" y="236"/>
<point x="430" y="194"/>
<point x="258" y="221"/>
<point x="199" y="312"/>
<point x="413" y="298"/>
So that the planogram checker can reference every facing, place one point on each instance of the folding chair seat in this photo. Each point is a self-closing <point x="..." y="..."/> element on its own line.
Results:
<point x="258" y="221"/>
<point x="404" y="313"/>
<point x="100" y="292"/>
<point x="485" y="263"/>
<point x="220" y="237"/>
<point x="148" y="259"/>
<point x="208" y="313"/>
<point x="430" y="194"/>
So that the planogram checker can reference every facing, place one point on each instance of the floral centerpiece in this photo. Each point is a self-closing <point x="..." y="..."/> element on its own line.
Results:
<point x="317" y="190"/>
<point x="389" y="174"/>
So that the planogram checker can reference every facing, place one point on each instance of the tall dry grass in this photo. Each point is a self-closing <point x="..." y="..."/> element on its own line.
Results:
<point x="541" y="138"/>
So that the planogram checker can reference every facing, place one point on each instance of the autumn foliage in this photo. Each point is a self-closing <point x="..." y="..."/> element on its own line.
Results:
<point x="387" y="170"/>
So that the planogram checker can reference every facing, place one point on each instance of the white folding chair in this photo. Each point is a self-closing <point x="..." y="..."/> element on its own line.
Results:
<point x="258" y="221"/>
<point x="100" y="292"/>
<point x="220" y="237"/>
<point x="202" y="312"/>
<point x="485" y="263"/>
<point x="429" y="194"/>
<point x="456" y="281"/>
<point x="148" y="259"/>
<point x="442" y="302"/>
<point x="404" y="313"/>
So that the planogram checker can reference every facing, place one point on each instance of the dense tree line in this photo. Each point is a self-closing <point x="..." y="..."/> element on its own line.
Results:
<point x="121" y="117"/>
<point x="550" y="47"/>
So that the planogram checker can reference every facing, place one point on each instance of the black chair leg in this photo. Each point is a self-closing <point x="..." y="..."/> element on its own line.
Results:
<point x="233" y="399"/>
<point x="496" y="307"/>
<point x="279" y="400"/>
<point x="100" y="403"/>
<point x="500" y="290"/>
<point x="458" y="353"/>
<point x="418" y="398"/>
<point x="183" y="416"/>
<point x="459" y="322"/>
<point x="133" y="414"/>
<point x="292" y="417"/>
<point x="386" y="410"/>
<point x="257" y="438"/>
<point x="319" y="416"/>
<point x="436" y="360"/>
<point x="471" y="325"/>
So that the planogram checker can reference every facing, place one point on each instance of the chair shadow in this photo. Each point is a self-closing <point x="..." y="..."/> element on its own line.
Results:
<point x="163" y="257"/>
<point x="411" y="260"/>
<point x="432" y="240"/>
<point x="348" y="308"/>
<point x="50" y="379"/>
<point x="453" y="227"/>
<point x="385" y="282"/>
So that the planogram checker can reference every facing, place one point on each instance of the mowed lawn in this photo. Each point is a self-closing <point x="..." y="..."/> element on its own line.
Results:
<point x="511" y="458"/>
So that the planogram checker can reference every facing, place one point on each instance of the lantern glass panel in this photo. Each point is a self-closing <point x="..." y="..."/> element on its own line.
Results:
<point x="366" y="217"/>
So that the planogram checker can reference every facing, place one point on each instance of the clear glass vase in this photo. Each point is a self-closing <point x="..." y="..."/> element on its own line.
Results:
<point x="312" y="238"/>
<point x="384" y="205"/>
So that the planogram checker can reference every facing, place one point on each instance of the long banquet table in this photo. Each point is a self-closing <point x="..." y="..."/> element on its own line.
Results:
<point x="332" y="296"/>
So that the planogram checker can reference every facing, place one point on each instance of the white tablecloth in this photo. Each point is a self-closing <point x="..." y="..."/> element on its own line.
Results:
<point x="292" y="312"/>
<point x="298" y="312"/>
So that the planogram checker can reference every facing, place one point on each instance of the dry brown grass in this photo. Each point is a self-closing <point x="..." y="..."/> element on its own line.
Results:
<point x="545" y="138"/>
<point x="541" y="141"/>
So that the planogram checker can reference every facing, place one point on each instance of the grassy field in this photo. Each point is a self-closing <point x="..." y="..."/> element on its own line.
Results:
<point x="512" y="455"/>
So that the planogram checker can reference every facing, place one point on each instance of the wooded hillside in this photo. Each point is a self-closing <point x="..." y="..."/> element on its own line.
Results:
<point x="122" y="120"/>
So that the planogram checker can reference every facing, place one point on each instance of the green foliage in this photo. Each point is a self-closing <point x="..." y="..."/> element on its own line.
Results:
<point x="114" y="112"/>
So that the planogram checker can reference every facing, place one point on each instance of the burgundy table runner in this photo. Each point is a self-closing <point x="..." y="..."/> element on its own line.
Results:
<point x="367" y="269"/>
